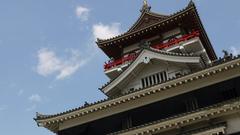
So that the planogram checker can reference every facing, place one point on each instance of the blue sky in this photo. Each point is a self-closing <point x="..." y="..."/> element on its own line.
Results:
<point x="50" y="63"/>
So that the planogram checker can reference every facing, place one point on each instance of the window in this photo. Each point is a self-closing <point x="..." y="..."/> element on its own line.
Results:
<point x="154" y="79"/>
<point x="165" y="76"/>
<point x="143" y="83"/>
<point x="150" y="80"/>
<point x="146" y="80"/>
<point x="161" y="76"/>
<point x="191" y="104"/>
<point x="127" y="122"/>
<point x="158" y="78"/>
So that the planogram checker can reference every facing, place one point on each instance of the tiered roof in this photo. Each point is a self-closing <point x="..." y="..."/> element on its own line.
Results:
<point x="155" y="22"/>
<point x="150" y="24"/>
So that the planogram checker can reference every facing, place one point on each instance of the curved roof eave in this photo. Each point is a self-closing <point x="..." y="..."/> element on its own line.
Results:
<point x="50" y="121"/>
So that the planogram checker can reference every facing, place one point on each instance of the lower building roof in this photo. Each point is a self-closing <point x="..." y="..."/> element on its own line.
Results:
<point x="52" y="122"/>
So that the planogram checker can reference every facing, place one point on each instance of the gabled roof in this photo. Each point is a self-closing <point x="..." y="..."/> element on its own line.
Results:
<point x="150" y="53"/>
<point x="146" y="19"/>
<point x="154" y="16"/>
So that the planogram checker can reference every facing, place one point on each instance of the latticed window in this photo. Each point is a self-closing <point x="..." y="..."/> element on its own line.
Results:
<point x="127" y="122"/>
<point x="154" y="79"/>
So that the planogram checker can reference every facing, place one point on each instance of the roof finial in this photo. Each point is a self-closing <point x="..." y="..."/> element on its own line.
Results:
<point x="226" y="54"/>
<point x="146" y="7"/>
<point x="145" y="3"/>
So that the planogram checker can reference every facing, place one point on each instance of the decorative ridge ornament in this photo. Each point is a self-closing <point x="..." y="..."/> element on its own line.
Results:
<point x="191" y="3"/>
<point x="145" y="7"/>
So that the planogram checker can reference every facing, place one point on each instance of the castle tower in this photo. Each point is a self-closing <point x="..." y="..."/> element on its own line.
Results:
<point x="148" y="46"/>
<point x="165" y="79"/>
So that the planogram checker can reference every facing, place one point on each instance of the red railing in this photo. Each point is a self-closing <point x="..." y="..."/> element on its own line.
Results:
<point x="177" y="40"/>
<point x="113" y="63"/>
<point x="110" y="64"/>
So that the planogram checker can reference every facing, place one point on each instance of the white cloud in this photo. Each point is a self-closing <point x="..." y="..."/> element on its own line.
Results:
<point x="35" y="98"/>
<point x="82" y="13"/>
<point x="234" y="50"/>
<point x="49" y="63"/>
<point x="106" y="31"/>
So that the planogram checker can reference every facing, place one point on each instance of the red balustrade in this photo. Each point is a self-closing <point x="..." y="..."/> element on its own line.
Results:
<point x="120" y="61"/>
<point x="113" y="63"/>
<point x="177" y="40"/>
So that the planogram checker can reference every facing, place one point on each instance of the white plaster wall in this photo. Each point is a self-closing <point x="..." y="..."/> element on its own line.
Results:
<point x="153" y="68"/>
